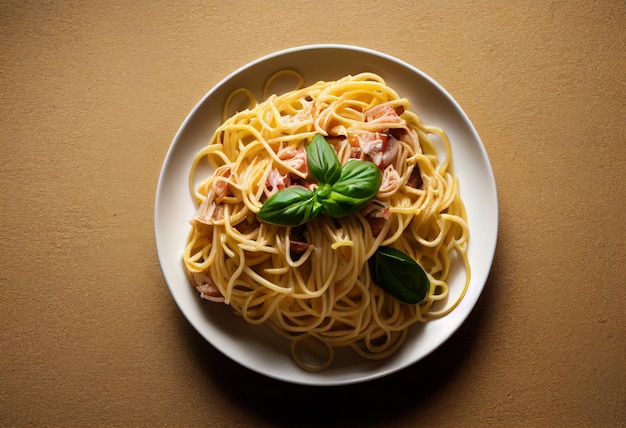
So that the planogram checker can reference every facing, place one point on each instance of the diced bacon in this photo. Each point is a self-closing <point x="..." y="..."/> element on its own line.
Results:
<point x="247" y="225"/>
<point x="390" y="182"/>
<point x="207" y="289"/>
<point x="209" y="210"/>
<point x="373" y="144"/>
<point x="377" y="215"/>
<point x="295" y="158"/>
<point x="355" y="148"/>
<point x="398" y="133"/>
<point x="390" y="152"/>
<point x="297" y="248"/>
<point x="299" y="241"/>
<point x="384" y="113"/>
<point x="376" y="209"/>
<point x="277" y="181"/>
<point x="221" y="186"/>
<point x="378" y="147"/>
<point x="307" y="184"/>
<point x="415" y="179"/>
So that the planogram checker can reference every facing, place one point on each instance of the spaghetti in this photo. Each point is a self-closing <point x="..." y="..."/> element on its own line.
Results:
<point x="312" y="282"/>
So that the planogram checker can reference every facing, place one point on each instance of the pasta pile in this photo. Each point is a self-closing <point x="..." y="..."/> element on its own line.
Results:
<point x="312" y="282"/>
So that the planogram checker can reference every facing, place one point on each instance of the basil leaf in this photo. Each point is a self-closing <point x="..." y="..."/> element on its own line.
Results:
<point x="399" y="275"/>
<point x="292" y="206"/>
<point x="357" y="185"/>
<point x="322" y="160"/>
<point x="338" y="205"/>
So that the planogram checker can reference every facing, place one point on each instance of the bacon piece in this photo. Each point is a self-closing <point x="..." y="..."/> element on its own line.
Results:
<point x="209" y="211"/>
<point x="390" y="182"/>
<point x="384" y="113"/>
<point x="382" y="149"/>
<point x="415" y="179"/>
<point x="308" y="184"/>
<point x="356" y="152"/>
<point x="377" y="215"/>
<point x="299" y="241"/>
<point x="247" y="225"/>
<point x="277" y="181"/>
<point x="398" y="133"/>
<point x="295" y="158"/>
<point x="207" y="289"/>
<point x="221" y="186"/>
<point x="376" y="224"/>
<point x="389" y="153"/>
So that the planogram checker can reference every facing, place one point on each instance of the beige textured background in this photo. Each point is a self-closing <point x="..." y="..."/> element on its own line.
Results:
<point x="91" y="95"/>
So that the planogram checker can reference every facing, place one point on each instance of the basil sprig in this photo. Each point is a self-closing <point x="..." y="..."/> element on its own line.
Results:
<point x="399" y="275"/>
<point x="341" y="190"/>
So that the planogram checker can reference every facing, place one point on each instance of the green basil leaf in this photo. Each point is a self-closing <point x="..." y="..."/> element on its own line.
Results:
<point x="292" y="206"/>
<point x="357" y="185"/>
<point x="322" y="160"/>
<point x="339" y="205"/>
<point x="399" y="275"/>
<point x="359" y="179"/>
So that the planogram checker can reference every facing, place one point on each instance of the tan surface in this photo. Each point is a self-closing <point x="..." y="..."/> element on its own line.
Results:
<point x="91" y="96"/>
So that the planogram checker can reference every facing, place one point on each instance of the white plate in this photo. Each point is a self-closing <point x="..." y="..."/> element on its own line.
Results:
<point x="257" y="347"/>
